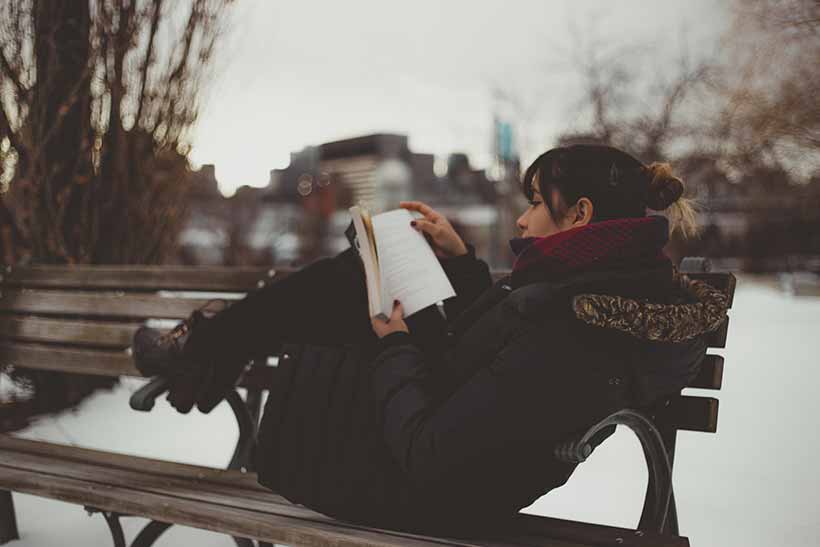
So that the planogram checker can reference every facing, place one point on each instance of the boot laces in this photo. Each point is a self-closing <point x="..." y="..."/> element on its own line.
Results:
<point x="195" y="317"/>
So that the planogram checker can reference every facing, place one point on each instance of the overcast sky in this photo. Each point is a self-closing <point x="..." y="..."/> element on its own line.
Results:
<point x="301" y="72"/>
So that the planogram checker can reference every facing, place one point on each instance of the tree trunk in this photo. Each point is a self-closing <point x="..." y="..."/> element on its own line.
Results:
<point x="60" y="125"/>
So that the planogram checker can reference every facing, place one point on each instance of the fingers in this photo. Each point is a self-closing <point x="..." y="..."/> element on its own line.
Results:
<point x="427" y="226"/>
<point x="395" y="322"/>
<point x="428" y="212"/>
<point x="398" y="311"/>
<point x="181" y="397"/>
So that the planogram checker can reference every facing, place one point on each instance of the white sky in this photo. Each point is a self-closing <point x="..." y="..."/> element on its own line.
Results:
<point x="296" y="73"/>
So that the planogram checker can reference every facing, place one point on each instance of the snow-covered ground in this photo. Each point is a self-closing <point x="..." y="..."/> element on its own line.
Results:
<point x="754" y="483"/>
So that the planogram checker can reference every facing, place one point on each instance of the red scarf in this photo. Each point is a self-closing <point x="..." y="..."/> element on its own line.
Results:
<point x="621" y="244"/>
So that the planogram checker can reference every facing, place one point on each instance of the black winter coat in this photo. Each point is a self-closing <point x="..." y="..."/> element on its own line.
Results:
<point x="454" y="434"/>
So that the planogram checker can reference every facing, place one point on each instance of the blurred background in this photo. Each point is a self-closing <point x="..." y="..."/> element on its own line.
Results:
<point x="207" y="132"/>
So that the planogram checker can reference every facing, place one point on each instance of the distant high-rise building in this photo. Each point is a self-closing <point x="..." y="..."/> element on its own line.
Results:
<point x="378" y="170"/>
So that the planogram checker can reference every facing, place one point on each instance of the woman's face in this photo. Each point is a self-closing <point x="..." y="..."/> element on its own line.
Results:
<point x="537" y="220"/>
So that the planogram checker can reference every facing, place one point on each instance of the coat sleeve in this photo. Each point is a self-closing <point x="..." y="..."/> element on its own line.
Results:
<point x="476" y="430"/>
<point x="470" y="276"/>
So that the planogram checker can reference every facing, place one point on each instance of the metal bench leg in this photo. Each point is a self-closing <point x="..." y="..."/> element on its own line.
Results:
<point x="672" y="517"/>
<point x="154" y="529"/>
<point x="150" y="533"/>
<point x="113" y="522"/>
<point x="670" y="437"/>
<point x="253" y="400"/>
<point x="241" y="459"/>
<point x="8" y="521"/>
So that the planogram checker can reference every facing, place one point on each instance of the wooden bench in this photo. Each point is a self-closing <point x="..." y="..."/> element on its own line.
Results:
<point x="81" y="320"/>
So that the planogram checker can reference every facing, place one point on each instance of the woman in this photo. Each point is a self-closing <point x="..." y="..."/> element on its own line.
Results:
<point x="448" y="425"/>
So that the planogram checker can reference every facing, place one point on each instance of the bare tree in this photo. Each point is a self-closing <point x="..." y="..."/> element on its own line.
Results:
<point x="96" y="101"/>
<point x="771" y="86"/>
<point x="648" y="116"/>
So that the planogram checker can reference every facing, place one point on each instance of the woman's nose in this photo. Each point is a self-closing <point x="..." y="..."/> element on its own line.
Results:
<point x="521" y="223"/>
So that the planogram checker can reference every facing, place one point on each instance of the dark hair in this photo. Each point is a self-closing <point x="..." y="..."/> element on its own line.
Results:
<point x="617" y="184"/>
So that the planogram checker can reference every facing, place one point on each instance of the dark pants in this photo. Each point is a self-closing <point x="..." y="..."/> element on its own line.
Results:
<point x="324" y="303"/>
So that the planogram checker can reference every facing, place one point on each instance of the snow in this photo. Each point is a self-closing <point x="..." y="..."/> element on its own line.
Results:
<point x="754" y="483"/>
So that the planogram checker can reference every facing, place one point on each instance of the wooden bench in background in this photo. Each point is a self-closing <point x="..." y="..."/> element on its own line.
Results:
<point x="81" y="319"/>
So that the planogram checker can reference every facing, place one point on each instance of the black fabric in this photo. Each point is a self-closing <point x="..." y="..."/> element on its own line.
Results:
<point x="448" y="429"/>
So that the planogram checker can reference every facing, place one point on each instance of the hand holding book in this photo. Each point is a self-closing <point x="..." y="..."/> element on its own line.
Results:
<point x="399" y="263"/>
<point x="394" y="323"/>
<point x="436" y="229"/>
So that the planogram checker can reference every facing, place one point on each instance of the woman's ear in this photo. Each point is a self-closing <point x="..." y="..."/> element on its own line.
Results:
<point x="583" y="212"/>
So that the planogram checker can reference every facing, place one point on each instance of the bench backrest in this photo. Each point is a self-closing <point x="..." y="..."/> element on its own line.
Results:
<point x="80" y="319"/>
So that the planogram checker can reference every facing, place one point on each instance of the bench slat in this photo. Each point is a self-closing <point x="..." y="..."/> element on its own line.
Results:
<point x="202" y="278"/>
<point x="693" y="413"/>
<point x="126" y="461"/>
<point x="132" y="306"/>
<point x="96" y="333"/>
<point x="234" y="490"/>
<point x="98" y="362"/>
<point x="198" y="514"/>
<point x="710" y="375"/>
<point x="79" y="361"/>
<point x="717" y="339"/>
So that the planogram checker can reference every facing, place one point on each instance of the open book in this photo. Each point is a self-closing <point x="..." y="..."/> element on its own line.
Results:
<point x="398" y="263"/>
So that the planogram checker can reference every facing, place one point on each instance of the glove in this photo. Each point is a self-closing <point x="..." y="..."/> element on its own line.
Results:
<point x="188" y="382"/>
<point x="201" y="376"/>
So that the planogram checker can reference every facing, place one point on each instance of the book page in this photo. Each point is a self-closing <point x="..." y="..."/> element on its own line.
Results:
<point x="410" y="270"/>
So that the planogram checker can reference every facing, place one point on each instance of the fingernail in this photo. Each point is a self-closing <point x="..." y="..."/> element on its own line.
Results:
<point x="395" y="302"/>
<point x="412" y="223"/>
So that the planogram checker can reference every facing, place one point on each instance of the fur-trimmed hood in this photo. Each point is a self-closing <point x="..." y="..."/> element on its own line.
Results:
<point x="701" y="309"/>
<point x="657" y="305"/>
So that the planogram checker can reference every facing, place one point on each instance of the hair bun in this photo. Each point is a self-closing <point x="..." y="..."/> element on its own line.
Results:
<point x="663" y="188"/>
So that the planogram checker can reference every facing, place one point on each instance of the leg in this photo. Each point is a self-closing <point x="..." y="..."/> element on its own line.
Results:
<point x="323" y="303"/>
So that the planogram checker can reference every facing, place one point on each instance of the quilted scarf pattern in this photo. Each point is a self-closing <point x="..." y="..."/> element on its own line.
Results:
<point x="620" y="244"/>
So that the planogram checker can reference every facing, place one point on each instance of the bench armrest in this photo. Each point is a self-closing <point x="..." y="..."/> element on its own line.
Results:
<point x="659" y="486"/>
<point x="144" y="398"/>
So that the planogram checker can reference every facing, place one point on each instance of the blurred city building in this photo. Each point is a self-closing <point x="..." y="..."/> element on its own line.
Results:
<point x="302" y="213"/>
<point x="761" y="222"/>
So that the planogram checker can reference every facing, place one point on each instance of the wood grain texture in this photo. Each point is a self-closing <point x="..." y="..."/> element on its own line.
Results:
<point x="98" y="362"/>
<point x="98" y="304"/>
<point x="232" y="502"/>
<point x="80" y="361"/>
<point x="153" y="278"/>
<point x="94" y="333"/>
